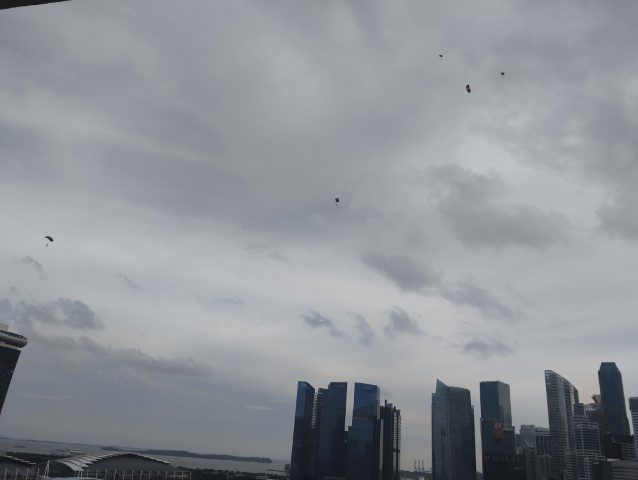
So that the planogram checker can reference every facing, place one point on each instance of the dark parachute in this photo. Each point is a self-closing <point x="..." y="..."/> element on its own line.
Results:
<point x="502" y="74"/>
<point x="49" y="238"/>
<point x="336" y="200"/>
<point x="441" y="56"/>
<point x="468" y="89"/>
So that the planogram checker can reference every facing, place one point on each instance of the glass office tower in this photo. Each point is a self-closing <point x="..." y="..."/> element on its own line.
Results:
<point x="500" y="460"/>
<point x="10" y="345"/>
<point x="453" y="445"/>
<point x="562" y="397"/>
<point x="302" y="440"/>
<point x="364" y="436"/>
<point x="331" y="442"/>
<point x="612" y="396"/>
<point x="613" y="411"/>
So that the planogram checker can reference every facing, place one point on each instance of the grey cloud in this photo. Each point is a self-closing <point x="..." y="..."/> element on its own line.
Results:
<point x="125" y="357"/>
<point x="316" y="320"/>
<point x="401" y="322"/>
<point x="485" y="348"/>
<point x="265" y="252"/>
<point x="63" y="311"/>
<point x="126" y="280"/>
<point x="409" y="273"/>
<point x="366" y="334"/>
<point x="469" y="209"/>
<point x="33" y="263"/>
<point x="220" y="301"/>
<point x="468" y="293"/>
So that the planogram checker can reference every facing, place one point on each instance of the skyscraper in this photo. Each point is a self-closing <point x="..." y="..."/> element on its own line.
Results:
<point x="633" y="407"/>
<point x="302" y="444"/>
<point x="496" y="403"/>
<point x="561" y="398"/>
<point x="364" y="436"/>
<point x="10" y="345"/>
<point x="613" y="412"/>
<point x="587" y="440"/>
<point x="25" y="3"/>
<point x="453" y="446"/>
<point x="543" y="463"/>
<point x="391" y="444"/>
<point x="331" y="441"/>
<point x="535" y="446"/>
<point x="612" y="395"/>
<point x="500" y="460"/>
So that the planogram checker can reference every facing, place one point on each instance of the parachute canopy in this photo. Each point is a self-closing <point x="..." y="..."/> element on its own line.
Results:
<point x="49" y="238"/>
<point x="468" y="89"/>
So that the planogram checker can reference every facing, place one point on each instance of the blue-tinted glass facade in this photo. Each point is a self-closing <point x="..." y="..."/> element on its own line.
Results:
<point x="612" y="394"/>
<point x="496" y="403"/>
<point x="364" y="437"/>
<point x="302" y="440"/>
<point x="331" y="453"/>
<point x="498" y="441"/>
<point x="10" y="345"/>
<point x="453" y="446"/>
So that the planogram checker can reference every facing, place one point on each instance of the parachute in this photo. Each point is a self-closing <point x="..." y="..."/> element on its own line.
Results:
<point x="468" y="89"/>
<point x="49" y="238"/>
<point x="336" y="200"/>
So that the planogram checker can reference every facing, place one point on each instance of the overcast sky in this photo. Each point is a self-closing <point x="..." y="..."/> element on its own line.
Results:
<point x="185" y="156"/>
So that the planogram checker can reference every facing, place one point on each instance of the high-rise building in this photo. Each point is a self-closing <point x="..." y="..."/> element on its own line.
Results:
<point x="616" y="470"/>
<point x="613" y="411"/>
<point x="391" y="445"/>
<point x="587" y="439"/>
<point x="331" y="437"/>
<point x="542" y="450"/>
<point x="10" y="345"/>
<point x="525" y="445"/>
<point x="500" y="460"/>
<point x="25" y="3"/>
<point x="612" y="395"/>
<point x="364" y="436"/>
<point x="496" y="403"/>
<point x="620" y="447"/>
<point x="633" y="407"/>
<point x="562" y="396"/>
<point x="453" y="444"/>
<point x="302" y="440"/>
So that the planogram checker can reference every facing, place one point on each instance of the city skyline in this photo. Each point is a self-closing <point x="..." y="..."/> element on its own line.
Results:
<point x="186" y="161"/>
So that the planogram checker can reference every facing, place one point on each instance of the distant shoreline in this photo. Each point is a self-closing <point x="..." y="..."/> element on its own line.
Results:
<point x="187" y="454"/>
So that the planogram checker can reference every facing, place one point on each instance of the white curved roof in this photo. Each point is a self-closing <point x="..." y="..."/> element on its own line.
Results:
<point x="82" y="462"/>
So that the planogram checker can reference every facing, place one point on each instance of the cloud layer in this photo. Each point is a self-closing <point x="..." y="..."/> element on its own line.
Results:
<point x="186" y="160"/>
